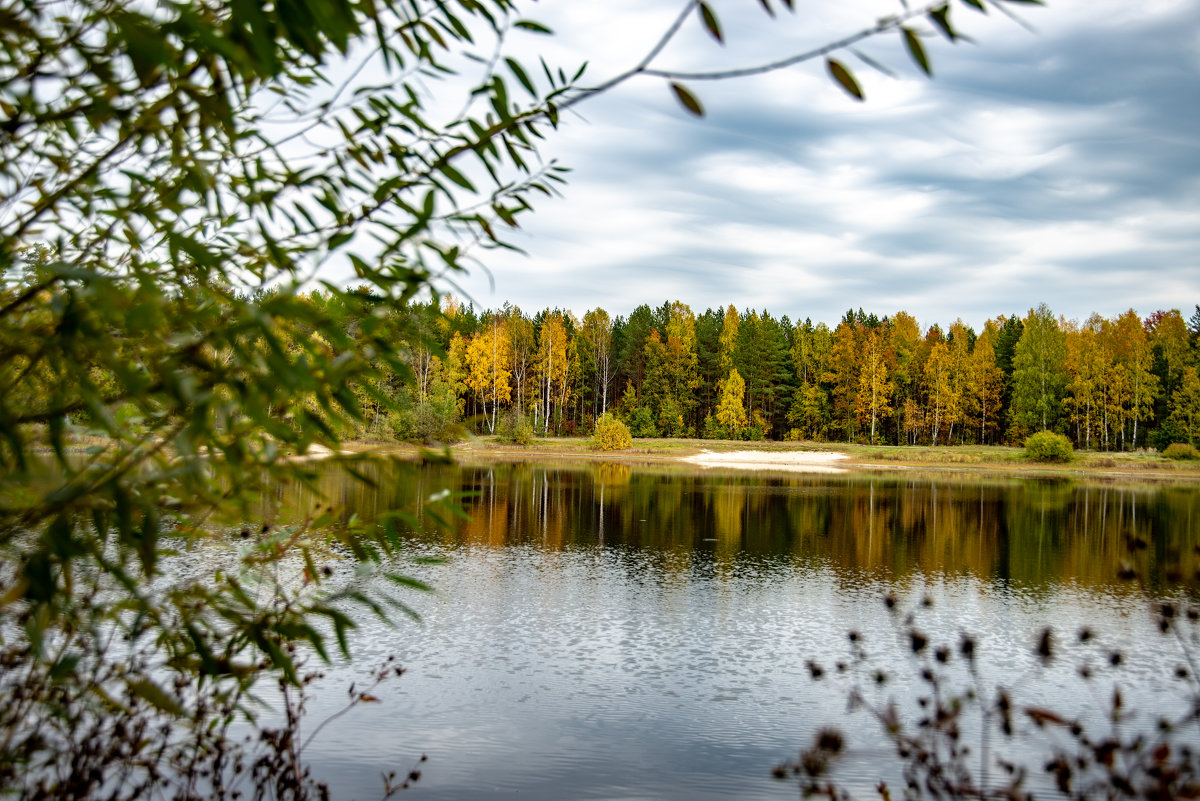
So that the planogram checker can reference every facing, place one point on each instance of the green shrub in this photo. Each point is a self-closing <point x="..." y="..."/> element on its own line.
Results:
<point x="425" y="425"/>
<point x="641" y="423"/>
<point x="514" y="430"/>
<point x="522" y="433"/>
<point x="713" y="429"/>
<point x="612" y="434"/>
<point x="1046" y="446"/>
<point x="1181" y="451"/>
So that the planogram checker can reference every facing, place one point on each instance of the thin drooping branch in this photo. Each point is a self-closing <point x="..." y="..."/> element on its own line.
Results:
<point x="642" y="65"/>
<point x="1008" y="12"/>
<point x="882" y="26"/>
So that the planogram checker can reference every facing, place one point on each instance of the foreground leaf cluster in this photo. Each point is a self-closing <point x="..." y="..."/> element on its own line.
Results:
<point x="172" y="178"/>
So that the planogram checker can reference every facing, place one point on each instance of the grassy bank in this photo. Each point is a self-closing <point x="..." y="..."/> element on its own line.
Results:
<point x="985" y="458"/>
<point x="967" y="458"/>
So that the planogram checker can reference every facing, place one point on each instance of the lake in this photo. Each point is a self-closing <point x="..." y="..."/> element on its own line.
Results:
<point x="609" y="631"/>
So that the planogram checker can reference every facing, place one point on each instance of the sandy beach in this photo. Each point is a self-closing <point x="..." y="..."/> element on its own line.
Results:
<point x="793" y="461"/>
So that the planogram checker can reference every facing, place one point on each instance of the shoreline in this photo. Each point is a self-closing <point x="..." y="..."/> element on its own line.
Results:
<point x="783" y="457"/>
<point x="992" y="460"/>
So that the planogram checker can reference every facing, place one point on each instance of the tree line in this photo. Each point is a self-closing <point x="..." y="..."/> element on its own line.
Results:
<point x="1118" y="383"/>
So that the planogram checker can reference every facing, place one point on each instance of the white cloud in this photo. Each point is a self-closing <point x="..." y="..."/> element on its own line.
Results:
<point x="1031" y="168"/>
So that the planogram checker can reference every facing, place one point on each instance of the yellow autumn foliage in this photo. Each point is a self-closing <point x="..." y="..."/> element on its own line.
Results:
<point x="611" y="434"/>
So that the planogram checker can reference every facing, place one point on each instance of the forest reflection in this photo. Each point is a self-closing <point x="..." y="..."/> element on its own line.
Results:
<point x="1032" y="533"/>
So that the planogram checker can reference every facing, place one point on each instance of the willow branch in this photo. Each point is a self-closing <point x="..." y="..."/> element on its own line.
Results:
<point x="642" y="65"/>
<point x="882" y="26"/>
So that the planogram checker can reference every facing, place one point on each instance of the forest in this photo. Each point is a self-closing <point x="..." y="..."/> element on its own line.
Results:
<point x="1118" y="383"/>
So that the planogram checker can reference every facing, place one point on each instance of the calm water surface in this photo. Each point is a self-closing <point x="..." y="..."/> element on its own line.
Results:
<point x="609" y="632"/>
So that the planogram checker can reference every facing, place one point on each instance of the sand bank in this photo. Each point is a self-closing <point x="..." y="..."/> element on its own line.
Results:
<point x="794" y="461"/>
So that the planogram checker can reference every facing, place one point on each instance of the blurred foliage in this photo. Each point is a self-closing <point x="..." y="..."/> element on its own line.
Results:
<point x="958" y="736"/>
<point x="954" y="733"/>
<point x="169" y="355"/>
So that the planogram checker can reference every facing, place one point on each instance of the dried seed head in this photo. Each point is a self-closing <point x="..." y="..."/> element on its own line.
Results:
<point x="830" y="740"/>
<point x="1045" y="646"/>
<point x="966" y="647"/>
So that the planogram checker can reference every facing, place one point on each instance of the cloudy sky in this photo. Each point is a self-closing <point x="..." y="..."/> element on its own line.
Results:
<point x="1058" y="165"/>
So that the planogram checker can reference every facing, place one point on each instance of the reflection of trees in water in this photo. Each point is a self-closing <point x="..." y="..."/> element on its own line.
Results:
<point x="729" y="504"/>
<point x="613" y="474"/>
<point x="1030" y="532"/>
<point x="611" y="480"/>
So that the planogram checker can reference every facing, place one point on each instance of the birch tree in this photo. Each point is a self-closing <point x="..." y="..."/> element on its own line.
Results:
<point x="523" y="347"/>
<point x="1133" y="352"/>
<point x="1169" y="336"/>
<point x="1039" y="373"/>
<point x="905" y="339"/>
<point x="874" y="386"/>
<point x="727" y="344"/>
<point x="682" y="361"/>
<point x="959" y="343"/>
<point x="489" y="355"/>
<point x="986" y="382"/>
<point x="597" y="331"/>
<point x="942" y="401"/>
<point x="1088" y="366"/>
<point x="553" y="367"/>
<point x="842" y="376"/>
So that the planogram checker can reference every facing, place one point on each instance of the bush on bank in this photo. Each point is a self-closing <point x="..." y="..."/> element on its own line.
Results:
<point x="1046" y="446"/>
<point x="1181" y="451"/>
<point x="611" y="434"/>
